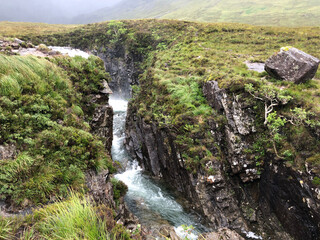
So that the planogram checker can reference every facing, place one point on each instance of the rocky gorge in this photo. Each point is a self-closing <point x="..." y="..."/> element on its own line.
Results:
<point x="240" y="146"/>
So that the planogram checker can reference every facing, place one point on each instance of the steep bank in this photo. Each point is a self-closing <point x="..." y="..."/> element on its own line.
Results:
<point x="56" y="136"/>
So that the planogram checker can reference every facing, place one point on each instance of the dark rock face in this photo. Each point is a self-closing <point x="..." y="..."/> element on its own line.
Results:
<point x="292" y="65"/>
<point x="156" y="151"/>
<point x="123" y="69"/>
<point x="295" y="203"/>
<point x="279" y="195"/>
<point x="99" y="188"/>
<point x="102" y="120"/>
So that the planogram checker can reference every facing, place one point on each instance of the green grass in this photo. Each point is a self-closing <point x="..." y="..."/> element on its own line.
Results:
<point x="71" y="219"/>
<point x="9" y="87"/>
<point x="76" y="217"/>
<point x="6" y="230"/>
<point x="41" y="113"/>
<point x="12" y="28"/>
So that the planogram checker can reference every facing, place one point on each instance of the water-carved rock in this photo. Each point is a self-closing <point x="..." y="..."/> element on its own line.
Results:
<point x="293" y="65"/>
<point x="102" y="119"/>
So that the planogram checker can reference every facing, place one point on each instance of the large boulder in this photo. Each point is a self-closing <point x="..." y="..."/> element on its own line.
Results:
<point x="293" y="65"/>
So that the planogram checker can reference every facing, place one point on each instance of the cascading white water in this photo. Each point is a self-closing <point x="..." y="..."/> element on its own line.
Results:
<point x="150" y="202"/>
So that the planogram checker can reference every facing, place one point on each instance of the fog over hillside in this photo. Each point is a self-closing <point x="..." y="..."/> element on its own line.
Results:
<point x="49" y="11"/>
<point x="257" y="12"/>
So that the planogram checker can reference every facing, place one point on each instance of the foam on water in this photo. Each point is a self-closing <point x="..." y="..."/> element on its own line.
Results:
<point x="118" y="105"/>
<point x="70" y="51"/>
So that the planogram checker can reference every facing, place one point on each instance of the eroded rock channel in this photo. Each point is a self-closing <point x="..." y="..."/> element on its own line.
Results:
<point x="237" y="196"/>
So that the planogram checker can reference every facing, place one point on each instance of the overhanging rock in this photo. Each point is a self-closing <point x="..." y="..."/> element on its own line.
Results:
<point x="293" y="65"/>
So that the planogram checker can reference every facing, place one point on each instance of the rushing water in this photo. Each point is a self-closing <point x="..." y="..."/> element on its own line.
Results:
<point x="147" y="199"/>
<point x="70" y="51"/>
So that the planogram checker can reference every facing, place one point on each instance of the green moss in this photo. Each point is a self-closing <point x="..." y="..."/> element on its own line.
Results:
<point x="316" y="181"/>
<point x="119" y="188"/>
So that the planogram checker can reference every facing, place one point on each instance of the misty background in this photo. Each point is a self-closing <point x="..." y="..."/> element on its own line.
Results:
<point x="49" y="11"/>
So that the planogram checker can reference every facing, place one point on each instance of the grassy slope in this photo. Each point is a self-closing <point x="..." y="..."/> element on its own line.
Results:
<point x="14" y="29"/>
<point x="273" y="12"/>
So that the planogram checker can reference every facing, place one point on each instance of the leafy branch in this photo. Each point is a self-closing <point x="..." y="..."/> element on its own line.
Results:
<point x="270" y="95"/>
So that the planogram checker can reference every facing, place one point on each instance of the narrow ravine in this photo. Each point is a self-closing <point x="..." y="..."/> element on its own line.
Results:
<point x="147" y="199"/>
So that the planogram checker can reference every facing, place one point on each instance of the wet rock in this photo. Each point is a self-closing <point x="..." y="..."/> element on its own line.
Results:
<point x="123" y="68"/>
<point x="293" y="65"/>
<point x="54" y="53"/>
<point x="106" y="89"/>
<point x="292" y="200"/>
<point x="102" y="119"/>
<point x="174" y="236"/>
<point x="14" y="45"/>
<point x="165" y="232"/>
<point x="221" y="234"/>
<point x="7" y="151"/>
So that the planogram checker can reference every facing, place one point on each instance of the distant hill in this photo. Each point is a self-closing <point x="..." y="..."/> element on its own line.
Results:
<point x="48" y="11"/>
<point x="272" y="12"/>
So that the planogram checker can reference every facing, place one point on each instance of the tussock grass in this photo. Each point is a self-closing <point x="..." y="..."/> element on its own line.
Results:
<point x="26" y="73"/>
<point x="9" y="87"/>
<point x="71" y="219"/>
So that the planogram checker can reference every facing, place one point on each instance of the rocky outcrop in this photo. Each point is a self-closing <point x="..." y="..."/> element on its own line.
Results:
<point x="102" y="119"/>
<point x="278" y="193"/>
<point x="240" y="123"/>
<point x="290" y="196"/>
<point x="99" y="188"/>
<point x="293" y="65"/>
<point x="238" y="195"/>
<point x="156" y="151"/>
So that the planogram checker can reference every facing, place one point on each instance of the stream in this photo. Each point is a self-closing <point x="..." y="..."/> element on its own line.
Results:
<point x="146" y="198"/>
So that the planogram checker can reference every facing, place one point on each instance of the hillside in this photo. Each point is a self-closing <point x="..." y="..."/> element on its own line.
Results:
<point x="273" y="12"/>
<point x="196" y="119"/>
<point x="48" y="11"/>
